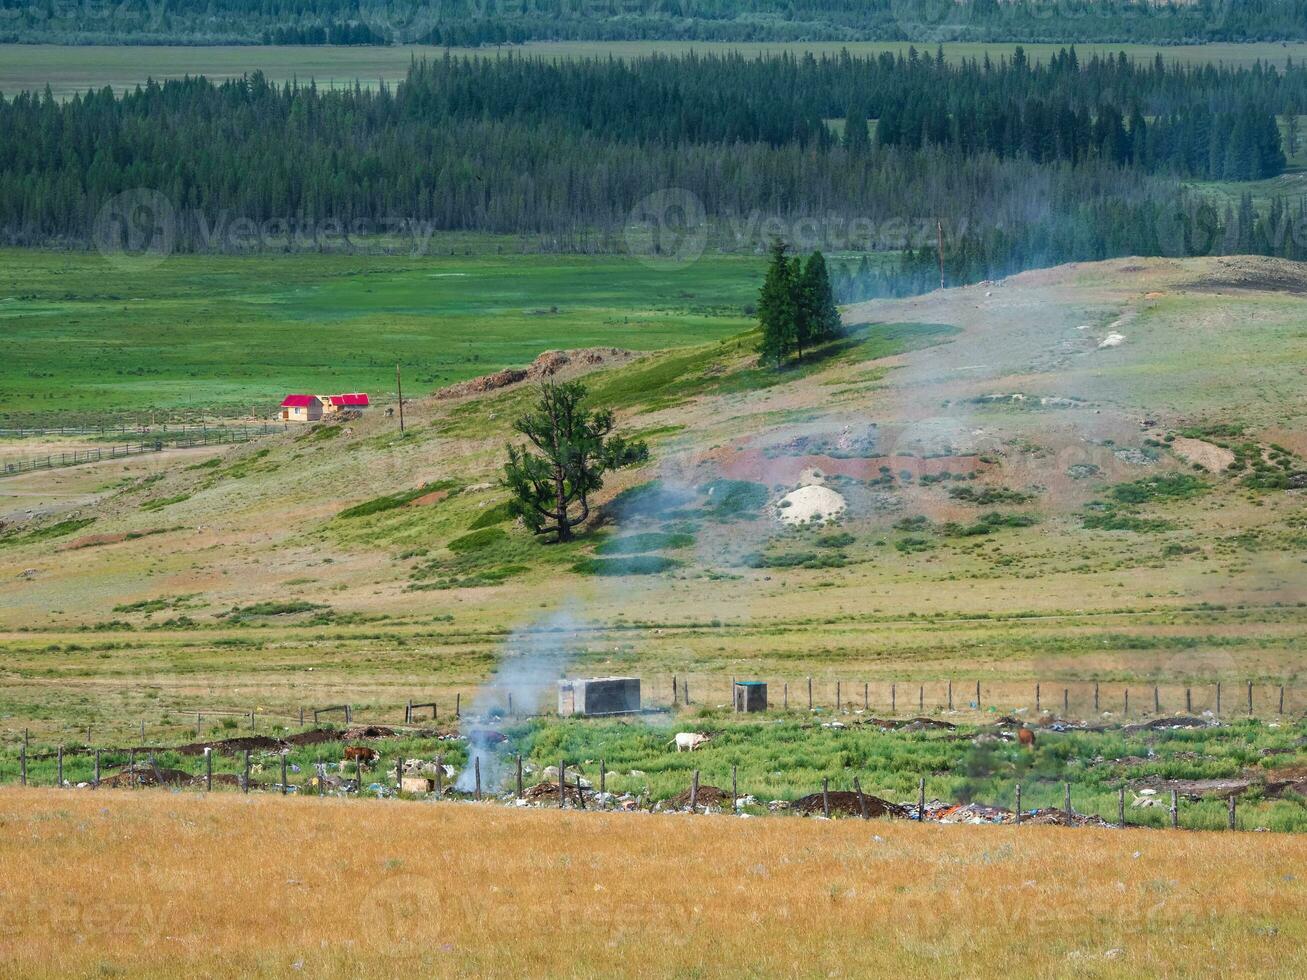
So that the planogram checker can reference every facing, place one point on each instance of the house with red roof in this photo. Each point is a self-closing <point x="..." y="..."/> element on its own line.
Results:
<point x="313" y="408"/>
<point x="301" y="408"/>
<point x="355" y="401"/>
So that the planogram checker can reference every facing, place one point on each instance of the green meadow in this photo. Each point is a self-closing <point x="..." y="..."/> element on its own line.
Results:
<point x="69" y="70"/>
<point x="205" y="334"/>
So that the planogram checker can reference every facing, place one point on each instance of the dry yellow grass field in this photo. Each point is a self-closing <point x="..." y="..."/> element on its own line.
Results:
<point x="147" y="883"/>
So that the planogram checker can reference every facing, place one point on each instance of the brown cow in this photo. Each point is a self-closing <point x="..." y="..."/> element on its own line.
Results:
<point x="354" y="753"/>
<point x="1025" y="736"/>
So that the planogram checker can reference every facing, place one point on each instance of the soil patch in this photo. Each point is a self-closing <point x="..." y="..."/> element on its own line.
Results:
<point x="1214" y="458"/>
<point x="845" y="804"/>
<point x="547" y="365"/>
<point x="143" y="774"/>
<point x="708" y="796"/>
<point x="230" y="746"/>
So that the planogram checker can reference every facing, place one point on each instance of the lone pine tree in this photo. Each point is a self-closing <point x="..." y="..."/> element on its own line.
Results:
<point x="574" y="446"/>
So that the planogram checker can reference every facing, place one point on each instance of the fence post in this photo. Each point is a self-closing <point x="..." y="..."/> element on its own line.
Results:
<point x="893" y="699"/>
<point x="676" y="695"/>
<point x="562" y="782"/>
<point x="825" y="797"/>
<point x="283" y="773"/>
<point x="1175" y="810"/>
<point x="862" y="800"/>
<point x="866" y="696"/>
<point x="1281" y="699"/>
<point x="839" y="703"/>
<point x="208" y="770"/>
<point x="61" y="767"/>
<point x="921" y="799"/>
<point x="458" y="706"/>
<point x="921" y="699"/>
<point x="1126" y="710"/>
<point x="1157" y="701"/>
<point x="1218" y="697"/>
<point x="809" y="693"/>
<point x="1188" y="700"/>
<point x="694" y="792"/>
<point x="1038" y="703"/>
<point x="1250" y="698"/>
<point x="245" y="780"/>
<point x="22" y="762"/>
<point x="977" y="695"/>
<point x="476" y="766"/>
<point x="950" y="695"/>
<point x="96" y="781"/>
<point x="408" y="712"/>
<point x="519" y="776"/>
<point x="787" y="695"/>
<point x="142" y="731"/>
<point x="603" y="776"/>
<point x="1018" y="804"/>
<point x="1232" y="814"/>
<point x="1069" y="811"/>
<point x="735" y="791"/>
<point x="685" y="690"/>
<point x="1095" y="697"/>
<point x="1066" y="702"/>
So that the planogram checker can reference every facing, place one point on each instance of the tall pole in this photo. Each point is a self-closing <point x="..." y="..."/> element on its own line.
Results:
<point x="400" y="389"/>
<point x="939" y="229"/>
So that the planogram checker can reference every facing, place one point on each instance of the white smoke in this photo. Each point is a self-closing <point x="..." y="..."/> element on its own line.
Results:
<point x="535" y="657"/>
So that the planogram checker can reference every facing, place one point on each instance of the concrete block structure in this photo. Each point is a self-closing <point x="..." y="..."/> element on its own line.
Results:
<point x="591" y="696"/>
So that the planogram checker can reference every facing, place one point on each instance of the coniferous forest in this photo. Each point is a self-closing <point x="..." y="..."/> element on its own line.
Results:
<point x="493" y="22"/>
<point x="1016" y="164"/>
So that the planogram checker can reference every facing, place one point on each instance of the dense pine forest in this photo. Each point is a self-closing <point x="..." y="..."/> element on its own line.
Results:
<point x="480" y="22"/>
<point x="1021" y="164"/>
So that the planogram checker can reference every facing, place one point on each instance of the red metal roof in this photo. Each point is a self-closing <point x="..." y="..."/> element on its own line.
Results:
<point x="352" y="400"/>
<point x="298" y="401"/>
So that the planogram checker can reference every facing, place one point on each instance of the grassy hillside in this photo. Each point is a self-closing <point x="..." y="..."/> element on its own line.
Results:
<point x="202" y="333"/>
<point x="1027" y="499"/>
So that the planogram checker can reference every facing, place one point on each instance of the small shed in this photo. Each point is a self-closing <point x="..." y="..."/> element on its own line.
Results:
<point x="598" y="696"/>
<point x="301" y="408"/>
<point x="750" y="696"/>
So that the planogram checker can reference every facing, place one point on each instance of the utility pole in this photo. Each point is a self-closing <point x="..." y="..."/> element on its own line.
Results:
<point x="400" y="387"/>
<point x="939" y="231"/>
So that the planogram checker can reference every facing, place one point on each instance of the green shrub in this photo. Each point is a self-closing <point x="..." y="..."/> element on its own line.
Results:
<point x="493" y="515"/>
<point x="1169" y="486"/>
<point x="630" y="565"/>
<point x="836" y="539"/>
<point x="379" y="505"/>
<point x="650" y="541"/>
<point x="728" y="499"/>
<point x="477" y="540"/>
<point x="988" y="496"/>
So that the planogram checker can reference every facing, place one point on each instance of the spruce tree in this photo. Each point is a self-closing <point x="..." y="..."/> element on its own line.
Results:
<point x="819" y="319"/>
<point x="777" y="309"/>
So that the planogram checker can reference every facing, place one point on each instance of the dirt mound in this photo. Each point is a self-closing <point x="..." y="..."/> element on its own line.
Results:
<point x="845" y="804"/>
<point x="369" y="731"/>
<point x="1261" y="274"/>
<point x="143" y="774"/>
<point x="1161" y="724"/>
<point x="1053" y="817"/>
<point x="315" y="737"/>
<point x="546" y="791"/>
<point x="547" y="365"/>
<point x="810" y="504"/>
<point x="708" y="796"/>
<point x="912" y="724"/>
<point x="229" y="746"/>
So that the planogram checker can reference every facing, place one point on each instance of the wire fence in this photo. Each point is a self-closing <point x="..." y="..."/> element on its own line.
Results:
<point x="183" y="438"/>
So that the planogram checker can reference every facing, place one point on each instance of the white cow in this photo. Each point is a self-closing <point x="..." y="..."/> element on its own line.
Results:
<point x="689" y="741"/>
